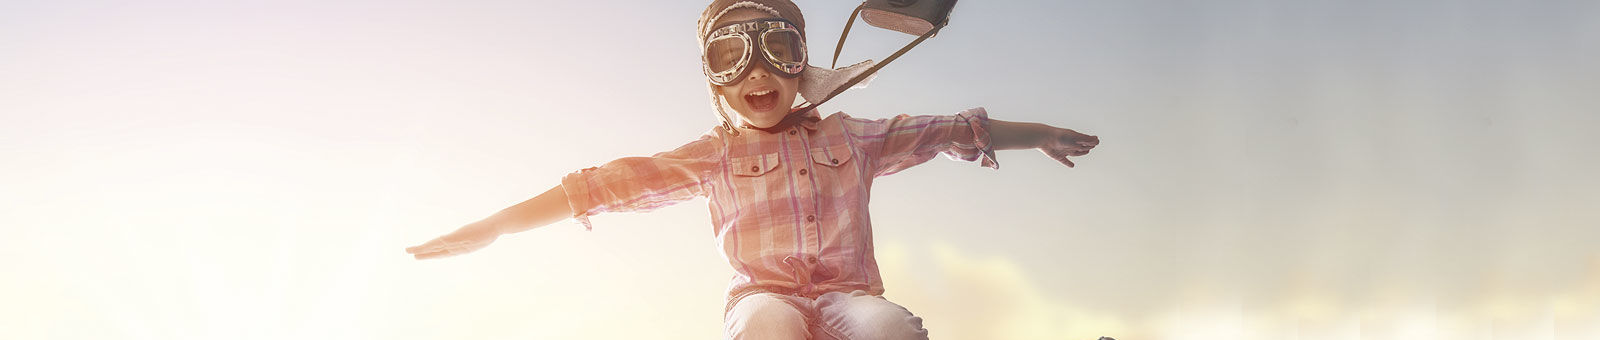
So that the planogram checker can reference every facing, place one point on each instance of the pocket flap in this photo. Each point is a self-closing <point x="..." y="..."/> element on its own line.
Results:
<point x="754" y="165"/>
<point x="831" y="155"/>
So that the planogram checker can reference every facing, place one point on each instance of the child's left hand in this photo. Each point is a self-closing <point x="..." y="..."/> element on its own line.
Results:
<point x="1068" y="143"/>
<point x="468" y="238"/>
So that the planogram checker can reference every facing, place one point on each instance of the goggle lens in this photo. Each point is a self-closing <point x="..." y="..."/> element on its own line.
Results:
<point x="729" y="54"/>
<point x="783" y="47"/>
<point x="725" y="54"/>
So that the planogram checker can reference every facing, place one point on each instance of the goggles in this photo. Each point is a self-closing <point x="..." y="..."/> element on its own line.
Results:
<point x="731" y="50"/>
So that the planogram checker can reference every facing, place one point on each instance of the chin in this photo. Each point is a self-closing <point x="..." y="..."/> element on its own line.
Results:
<point x="761" y="118"/>
<point x="762" y="124"/>
<point x="765" y="119"/>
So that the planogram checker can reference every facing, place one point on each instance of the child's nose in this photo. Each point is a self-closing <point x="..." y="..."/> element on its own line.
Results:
<point x="758" y="73"/>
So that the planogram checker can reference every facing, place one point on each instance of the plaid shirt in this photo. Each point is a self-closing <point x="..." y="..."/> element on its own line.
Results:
<point x="789" y="209"/>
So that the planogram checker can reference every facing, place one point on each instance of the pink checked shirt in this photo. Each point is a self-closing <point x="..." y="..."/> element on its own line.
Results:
<point x="790" y="208"/>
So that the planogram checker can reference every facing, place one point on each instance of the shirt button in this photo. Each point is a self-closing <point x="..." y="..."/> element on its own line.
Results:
<point x="755" y="168"/>
<point x="811" y="259"/>
<point x="811" y="218"/>
<point x="835" y="161"/>
<point x="802" y="171"/>
<point x="792" y="132"/>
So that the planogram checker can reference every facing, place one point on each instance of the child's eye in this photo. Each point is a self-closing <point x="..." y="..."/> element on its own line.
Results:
<point x="724" y="53"/>
<point x="784" y="52"/>
<point x="781" y="46"/>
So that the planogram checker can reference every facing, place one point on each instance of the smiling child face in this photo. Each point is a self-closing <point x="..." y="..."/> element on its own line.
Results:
<point x="761" y="98"/>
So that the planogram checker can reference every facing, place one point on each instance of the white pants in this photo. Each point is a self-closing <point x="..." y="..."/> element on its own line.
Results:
<point x="844" y="316"/>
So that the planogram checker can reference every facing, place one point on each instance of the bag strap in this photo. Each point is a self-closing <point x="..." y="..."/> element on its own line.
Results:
<point x="847" y="23"/>
<point x="874" y="69"/>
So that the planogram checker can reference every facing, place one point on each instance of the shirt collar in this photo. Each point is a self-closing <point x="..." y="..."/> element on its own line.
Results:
<point x="806" y="119"/>
<point x="810" y="120"/>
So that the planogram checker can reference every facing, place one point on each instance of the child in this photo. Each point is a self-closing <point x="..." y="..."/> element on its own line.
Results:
<point x="788" y="190"/>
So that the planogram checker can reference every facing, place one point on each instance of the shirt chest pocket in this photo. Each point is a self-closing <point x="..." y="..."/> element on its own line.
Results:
<point x="751" y="166"/>
<point x="834" y="170"/>
<point x="831" y="156"/>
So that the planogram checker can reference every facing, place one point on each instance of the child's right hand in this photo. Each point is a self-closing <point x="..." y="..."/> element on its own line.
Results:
<point x="469" y="238"/>
<point x="1063" y="143"/>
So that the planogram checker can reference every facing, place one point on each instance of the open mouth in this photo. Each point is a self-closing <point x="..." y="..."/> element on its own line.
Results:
<point x="762" y="100"/>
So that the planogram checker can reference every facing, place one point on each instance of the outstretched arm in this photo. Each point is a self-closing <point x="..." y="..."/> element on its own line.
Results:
<point x="547" y="208"/>
<point x="1058" y="143"/>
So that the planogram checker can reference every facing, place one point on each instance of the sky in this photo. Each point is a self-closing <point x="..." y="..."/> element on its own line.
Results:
<point x="1268" y="169"/>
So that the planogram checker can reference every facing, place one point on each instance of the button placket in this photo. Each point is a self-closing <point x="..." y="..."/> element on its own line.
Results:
<point x="807" y="195"/>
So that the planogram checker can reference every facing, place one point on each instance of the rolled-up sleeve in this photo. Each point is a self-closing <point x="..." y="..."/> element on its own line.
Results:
<point x="902" y="142"/>
<point x="642" y="183"/>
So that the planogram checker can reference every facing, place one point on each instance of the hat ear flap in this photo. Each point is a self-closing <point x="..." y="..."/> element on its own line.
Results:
<point x="817" y="82"/>
<point x="722" y="114"/>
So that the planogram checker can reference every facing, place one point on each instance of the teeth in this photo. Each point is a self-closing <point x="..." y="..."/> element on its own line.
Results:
<point x="762" y="93"/>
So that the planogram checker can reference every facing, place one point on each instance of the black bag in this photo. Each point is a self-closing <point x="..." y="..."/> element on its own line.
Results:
<point x="907" y="16"/>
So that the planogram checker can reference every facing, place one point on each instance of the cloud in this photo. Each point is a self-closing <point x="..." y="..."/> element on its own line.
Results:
<point x="963" y="296"/>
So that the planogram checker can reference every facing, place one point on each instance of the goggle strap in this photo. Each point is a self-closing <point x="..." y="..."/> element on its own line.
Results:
<point x="741" y="27"/>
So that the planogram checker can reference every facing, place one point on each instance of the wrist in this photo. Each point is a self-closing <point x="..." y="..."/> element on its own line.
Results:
<point x="1013" y="136"/>
<point x="1051" y="136"/>
<point x="493" y="226"/>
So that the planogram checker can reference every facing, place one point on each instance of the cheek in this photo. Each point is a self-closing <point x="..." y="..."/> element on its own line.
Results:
<point x="727" y="98"/>
<point x="791" y="88"/>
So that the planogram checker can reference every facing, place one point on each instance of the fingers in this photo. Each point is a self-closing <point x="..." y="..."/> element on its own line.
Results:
<point x="436" y="248"/>
<point x="433" y="255"/>
<point x="1060" y="155"/>
<point x="1074" y="149"/>
<point x="1074" y="138"/>
<point x="447" y="246"/>
<point x="431" y="246"/>
<point x="1069" y="143"/>
<point x="1081" y="145"/>
<point x="1091" y="142"/>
